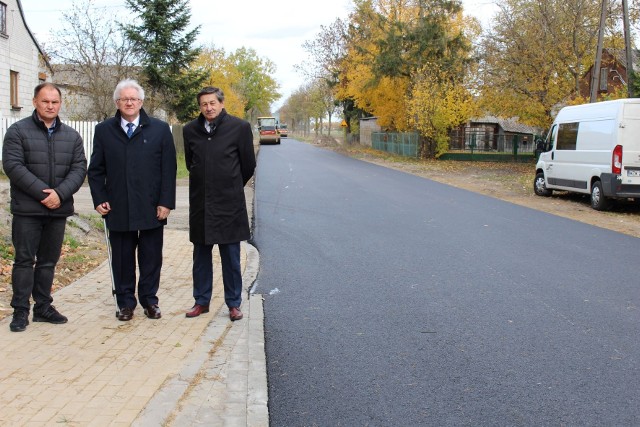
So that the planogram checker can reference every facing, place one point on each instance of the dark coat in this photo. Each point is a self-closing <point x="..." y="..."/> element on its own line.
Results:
<point x="134" y="175"/>
<point x="219" y="167"/>
<point x="35" y="161"/>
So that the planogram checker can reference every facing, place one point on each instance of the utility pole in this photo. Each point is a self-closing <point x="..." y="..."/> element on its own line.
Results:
<point x="595" y="71"/>
<point x="627" y="46"/>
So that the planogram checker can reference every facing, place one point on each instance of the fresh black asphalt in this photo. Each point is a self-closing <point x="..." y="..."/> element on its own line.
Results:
<point x="392" y="299"/>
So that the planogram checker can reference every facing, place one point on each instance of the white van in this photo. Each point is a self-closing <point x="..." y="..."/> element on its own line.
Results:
<point x="593" y="149"/>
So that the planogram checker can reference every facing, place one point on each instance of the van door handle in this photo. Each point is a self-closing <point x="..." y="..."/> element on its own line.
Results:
<point x="553" y="154"/>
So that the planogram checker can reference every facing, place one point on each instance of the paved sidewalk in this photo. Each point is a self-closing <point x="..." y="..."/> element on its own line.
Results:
<point x="98" y="371"/>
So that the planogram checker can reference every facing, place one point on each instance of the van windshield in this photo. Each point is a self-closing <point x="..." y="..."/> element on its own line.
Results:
<point x="548" y="143"/>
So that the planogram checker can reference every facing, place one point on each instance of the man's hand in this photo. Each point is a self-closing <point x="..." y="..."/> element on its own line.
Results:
<point x="162" y="213"/>
<point x="52" y="201"/>
<point x="103" y="208"/>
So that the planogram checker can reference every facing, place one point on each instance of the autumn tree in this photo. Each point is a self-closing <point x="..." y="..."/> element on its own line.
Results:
<point x="326" y="52"/>
<point x="256" y="87"/>
<point x="222" y="72"/>
<point x="91" y="56"/>
<point x="389" y="41"/>
<point x="439" y="102"/>
<point x="382" y="96"/>
<point x="302" y="107"/>
<point x="535" y="55"/>
<point x="166" y="51"/>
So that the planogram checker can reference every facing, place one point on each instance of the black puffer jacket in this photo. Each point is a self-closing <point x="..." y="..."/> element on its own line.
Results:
<point x="33" y="161"/>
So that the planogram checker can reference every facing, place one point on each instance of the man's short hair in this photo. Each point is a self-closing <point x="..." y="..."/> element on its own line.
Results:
<point x="208" y="90"/>
<point x="41" y="86"/>
<point x="126" y="84"/>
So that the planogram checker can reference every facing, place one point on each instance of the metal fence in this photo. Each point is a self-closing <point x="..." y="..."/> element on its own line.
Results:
<point x="490" y="142"/>
<point x="403" y="144"/>
<point x="85" y="129"/>
<point x="408" y="144"/>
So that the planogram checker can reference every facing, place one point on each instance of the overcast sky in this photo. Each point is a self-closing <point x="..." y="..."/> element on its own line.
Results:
<point x="275" y="29"/>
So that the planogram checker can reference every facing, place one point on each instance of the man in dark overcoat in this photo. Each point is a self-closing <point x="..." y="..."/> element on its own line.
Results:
<point x="220" y="158"/>
<point x="132" y="176"/>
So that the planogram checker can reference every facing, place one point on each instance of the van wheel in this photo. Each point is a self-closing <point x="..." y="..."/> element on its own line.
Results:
<point x="598" y="201"/>
<point x="539" y="186"/>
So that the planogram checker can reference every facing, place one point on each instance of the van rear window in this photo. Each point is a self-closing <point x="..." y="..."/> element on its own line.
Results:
<point x="567" y="136"/>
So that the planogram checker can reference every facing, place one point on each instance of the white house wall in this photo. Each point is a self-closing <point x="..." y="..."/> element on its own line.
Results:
<point x="19" y="53"/>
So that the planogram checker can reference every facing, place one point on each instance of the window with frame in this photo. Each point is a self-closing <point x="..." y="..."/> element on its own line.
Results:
<point x="567" y="136"/>
<point x="604" y="74"/>
<point x="3" y="18"/>
<point x="13" y="83"/>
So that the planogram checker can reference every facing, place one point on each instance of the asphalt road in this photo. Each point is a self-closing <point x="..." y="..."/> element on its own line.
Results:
<point x="395" y="300"/>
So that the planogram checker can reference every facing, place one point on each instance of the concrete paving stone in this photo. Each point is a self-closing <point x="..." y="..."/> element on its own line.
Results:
<point x="235" y="396"/>
<point x="84" y="416"/>
<point x="44" y="396"/>
<point x="95" y="363"/>
<point x="233" y="421"/>
<point x="135" y="403"/>
<point x="60" y="402"/>
<point x="126" y="416"/>
<point x="46" y="414"/>
<point x="71" y="409"/>
<point x="101" y="421"/>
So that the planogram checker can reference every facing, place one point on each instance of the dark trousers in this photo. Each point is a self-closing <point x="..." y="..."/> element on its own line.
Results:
<point x="37" y="242"/>
<point x="123" y="250"/>
<point x="203" y="273"/>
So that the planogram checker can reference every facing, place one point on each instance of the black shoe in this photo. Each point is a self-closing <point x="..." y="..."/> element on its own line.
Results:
<point x="153" y="311"/>
<point x="50" y="315"/>
<point x="125" y="314"/>
<point x="20" y="321"/>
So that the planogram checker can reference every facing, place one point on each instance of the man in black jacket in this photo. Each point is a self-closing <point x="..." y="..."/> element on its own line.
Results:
<point x="219" y="155"/>
<point x="132" y="176"/>
<point x="45" y="162"/>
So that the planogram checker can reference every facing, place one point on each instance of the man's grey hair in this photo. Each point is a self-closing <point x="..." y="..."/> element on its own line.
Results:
<point x="126" y="84"/>
<point x="209" y="90"/>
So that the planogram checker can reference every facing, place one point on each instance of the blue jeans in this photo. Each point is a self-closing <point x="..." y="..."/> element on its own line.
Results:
<point x="203" y="273"/>
<point x="37" y="242"/>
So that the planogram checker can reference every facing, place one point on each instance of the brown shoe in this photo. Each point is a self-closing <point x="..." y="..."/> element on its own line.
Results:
<point x="235" y="313"/>
<point x="153" y="312"/>
<point x="197" y="310"/>
<point x="125" y="314"/>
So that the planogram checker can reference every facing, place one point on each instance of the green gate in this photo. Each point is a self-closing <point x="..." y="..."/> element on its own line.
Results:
<point x="403" y="144"/>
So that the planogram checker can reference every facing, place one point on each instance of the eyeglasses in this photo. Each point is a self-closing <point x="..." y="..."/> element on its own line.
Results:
<point x="129" y="100"/>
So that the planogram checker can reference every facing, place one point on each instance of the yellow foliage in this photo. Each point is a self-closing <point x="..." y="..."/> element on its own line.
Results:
<point x="396" y="98"/>
<point x="223" y="74"/>
<point x="438" y="103"/>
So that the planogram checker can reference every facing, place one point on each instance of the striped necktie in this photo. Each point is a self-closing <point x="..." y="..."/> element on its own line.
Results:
<point x="130" y="129"/>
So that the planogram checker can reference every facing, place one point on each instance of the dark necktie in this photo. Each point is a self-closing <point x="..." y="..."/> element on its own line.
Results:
<point x="212" y="128"/>
<point x="130" y="129"/>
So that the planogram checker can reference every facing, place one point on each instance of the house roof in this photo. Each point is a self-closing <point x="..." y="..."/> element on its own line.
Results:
<point x="24" y="21"/>
<point x="508" y="125"/>
<point x="620" y="55"/>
